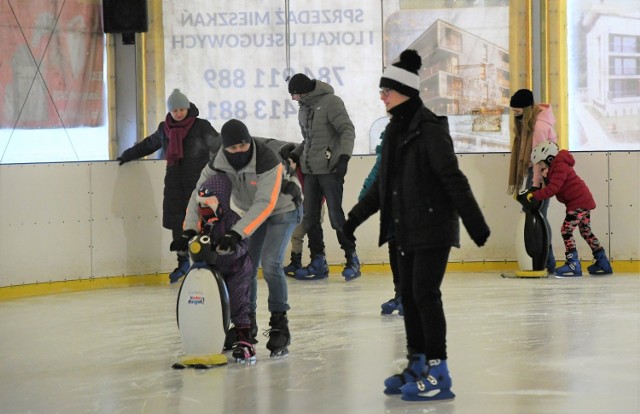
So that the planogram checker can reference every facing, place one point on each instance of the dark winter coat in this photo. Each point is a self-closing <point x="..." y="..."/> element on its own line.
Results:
<point x="199" y="146"/>
<point x="421" y="193"/>
<point x="565" y="184"/>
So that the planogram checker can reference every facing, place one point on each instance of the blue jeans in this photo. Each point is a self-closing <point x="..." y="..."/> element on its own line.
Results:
<point x="267" y="246"/>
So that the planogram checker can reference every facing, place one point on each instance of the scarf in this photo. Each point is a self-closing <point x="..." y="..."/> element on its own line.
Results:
<point x="176" y="131"/>
<point x="520" y="158"/>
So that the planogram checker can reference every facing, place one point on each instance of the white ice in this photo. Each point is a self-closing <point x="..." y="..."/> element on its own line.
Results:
<point x="515" y="346"/>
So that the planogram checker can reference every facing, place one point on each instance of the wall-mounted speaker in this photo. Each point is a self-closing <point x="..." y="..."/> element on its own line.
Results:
<point x="124" y="16"/>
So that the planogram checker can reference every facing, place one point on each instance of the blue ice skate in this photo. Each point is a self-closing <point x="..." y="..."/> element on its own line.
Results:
<point x="435" y="384"/>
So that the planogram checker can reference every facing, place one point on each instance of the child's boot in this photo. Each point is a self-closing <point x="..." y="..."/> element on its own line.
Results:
<point x="243" y="350"/>
<point x="414" y="370"/>
<point x="551" y="262"/>
<point x="572" y="267"/>
<point x="317" y="269"/>
<point x="602" y="266"/>
<point x="181" y="270"/>
<point x="352" y="268"/>
<point x="434" y="384"/>
<point x="296" y="263"/>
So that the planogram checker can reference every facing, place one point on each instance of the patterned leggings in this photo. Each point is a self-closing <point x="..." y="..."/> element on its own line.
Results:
<point x="581" y="218"/>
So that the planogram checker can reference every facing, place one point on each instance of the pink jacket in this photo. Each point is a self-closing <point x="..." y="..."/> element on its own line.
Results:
<point x="543" y="131"/>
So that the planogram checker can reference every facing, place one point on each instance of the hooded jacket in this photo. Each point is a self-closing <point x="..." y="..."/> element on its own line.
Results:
<point x="238" y="262"/>
<point x="256" y="188"/>
<point x="543" y="130"/>
<point x="327" y="131"/>
<point x="565" y="184"/>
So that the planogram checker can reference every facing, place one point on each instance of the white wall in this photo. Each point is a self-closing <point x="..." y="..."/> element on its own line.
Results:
<point x="88" y="220"/>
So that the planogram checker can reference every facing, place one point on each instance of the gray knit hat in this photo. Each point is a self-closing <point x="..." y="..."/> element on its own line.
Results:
<point x="177" y="100"/>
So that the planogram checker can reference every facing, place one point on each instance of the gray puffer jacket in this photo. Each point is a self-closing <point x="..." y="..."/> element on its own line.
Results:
<point x="327" y="131"/>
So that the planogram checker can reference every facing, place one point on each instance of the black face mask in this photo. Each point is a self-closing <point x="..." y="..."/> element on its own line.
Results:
<point x="519" y="117"/>
<point x="239" y="159"/>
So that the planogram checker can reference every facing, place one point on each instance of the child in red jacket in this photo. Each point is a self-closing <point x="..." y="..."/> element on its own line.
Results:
<point x="563" y="182"/>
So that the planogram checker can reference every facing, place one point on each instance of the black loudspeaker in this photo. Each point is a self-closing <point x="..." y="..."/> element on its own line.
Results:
<point x="124" y="16"/>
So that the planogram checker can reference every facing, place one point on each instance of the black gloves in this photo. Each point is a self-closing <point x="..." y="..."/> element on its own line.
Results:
<point x="481" y="238"/>
<point x="528" y="202"/>
<point x="348" y="228"/>
<point x="294" y="157"/>
<point x="293" y="189"/>
<point x="182" y="244"/>
<point x="286" y="149"/>
<point x="341" y="166"/>
<point x="121" y="161"/>
<point x="228" y="242"/>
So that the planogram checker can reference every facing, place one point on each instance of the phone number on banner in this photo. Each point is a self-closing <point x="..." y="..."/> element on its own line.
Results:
<point x="259" y="109"/>
<point x="267" y="78"/>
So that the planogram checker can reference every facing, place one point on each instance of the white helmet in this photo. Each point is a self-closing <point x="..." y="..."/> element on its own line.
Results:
<point x="545" y="151"/>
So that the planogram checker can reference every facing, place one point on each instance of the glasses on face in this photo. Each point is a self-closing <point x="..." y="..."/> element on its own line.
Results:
<point x="385" y="91"/>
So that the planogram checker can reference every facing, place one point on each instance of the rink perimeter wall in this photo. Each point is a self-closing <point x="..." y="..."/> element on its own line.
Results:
<point x="98" y="222"/>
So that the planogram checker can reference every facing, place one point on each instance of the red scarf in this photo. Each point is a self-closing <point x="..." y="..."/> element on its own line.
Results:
<point x="176" y="131"/>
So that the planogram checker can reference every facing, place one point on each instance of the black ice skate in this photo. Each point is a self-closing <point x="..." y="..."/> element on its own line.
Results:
<point x="243" y="350"/>
<point x="279" y="337"/>
<point x="232" y="334"/>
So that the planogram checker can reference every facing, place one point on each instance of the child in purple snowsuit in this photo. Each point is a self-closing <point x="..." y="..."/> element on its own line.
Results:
<point x="214" y="204"/>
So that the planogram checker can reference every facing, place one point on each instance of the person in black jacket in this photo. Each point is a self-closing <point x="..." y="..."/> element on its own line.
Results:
<point x="421" y="194"/>
<point x="187" y="143"/>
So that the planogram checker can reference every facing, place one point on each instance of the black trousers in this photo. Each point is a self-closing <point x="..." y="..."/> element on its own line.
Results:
<point x="329" y="187"/>
<point x="421" y="273"/>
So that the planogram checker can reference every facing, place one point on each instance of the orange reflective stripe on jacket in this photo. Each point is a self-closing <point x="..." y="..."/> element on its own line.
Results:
<point x="273" y="199"/>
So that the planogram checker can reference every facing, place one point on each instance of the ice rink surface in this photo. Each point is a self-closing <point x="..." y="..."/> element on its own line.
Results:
<point x="516" y="346"/>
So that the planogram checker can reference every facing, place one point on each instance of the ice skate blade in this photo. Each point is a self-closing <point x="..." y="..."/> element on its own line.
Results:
<point x="350" y="278"/>
<point x="246" y="361"/>
<point x="601" y="273"/>
<point x="433" y="395"/>
<point x="279" y="353"/>
<point x="312" y="277"/>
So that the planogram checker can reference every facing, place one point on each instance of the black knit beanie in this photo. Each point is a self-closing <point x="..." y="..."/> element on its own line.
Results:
<point x="234" y="132"/>
<point x="300" y="83"/>
<point x="521" y="99"/>
<point x="403" y="76"/>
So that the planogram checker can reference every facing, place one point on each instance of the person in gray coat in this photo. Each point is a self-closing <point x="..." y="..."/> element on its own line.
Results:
<point x="328" y="137"/>
<point x="270" y="203"/>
